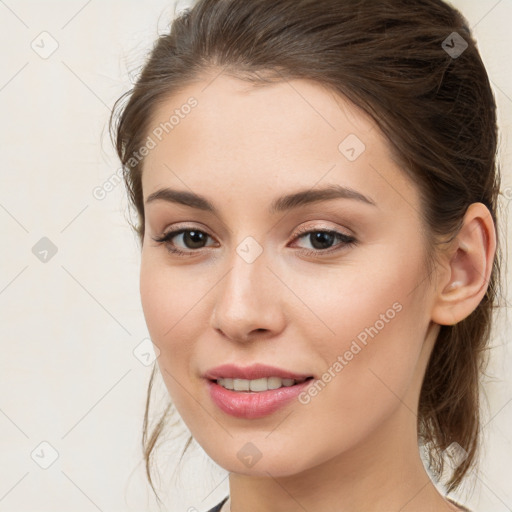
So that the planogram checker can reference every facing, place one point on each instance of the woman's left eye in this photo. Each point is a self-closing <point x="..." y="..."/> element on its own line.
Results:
<point x="194" y="238"/>
<point x="322" y="240"/>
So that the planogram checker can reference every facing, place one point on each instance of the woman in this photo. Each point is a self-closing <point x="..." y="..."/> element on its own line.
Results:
<point x="316" y="187"/>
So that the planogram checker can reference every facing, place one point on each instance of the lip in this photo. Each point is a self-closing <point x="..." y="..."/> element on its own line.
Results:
<point x="253" y="405"/>
<point x="255" y="371"/>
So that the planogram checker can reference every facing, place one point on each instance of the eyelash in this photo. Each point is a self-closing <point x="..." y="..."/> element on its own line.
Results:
<point x="346" y="241"/>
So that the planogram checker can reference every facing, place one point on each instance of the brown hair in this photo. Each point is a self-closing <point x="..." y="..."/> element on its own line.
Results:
<point x="436" y="108"/>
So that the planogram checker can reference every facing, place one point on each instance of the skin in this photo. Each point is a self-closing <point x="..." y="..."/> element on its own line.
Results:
<point x="353" y="447"/>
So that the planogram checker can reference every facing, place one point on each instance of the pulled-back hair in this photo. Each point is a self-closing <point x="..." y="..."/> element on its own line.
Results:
<point x="391" y="58"/>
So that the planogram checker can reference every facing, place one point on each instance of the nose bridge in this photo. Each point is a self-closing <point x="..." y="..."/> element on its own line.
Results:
<point x="248" y="298"/>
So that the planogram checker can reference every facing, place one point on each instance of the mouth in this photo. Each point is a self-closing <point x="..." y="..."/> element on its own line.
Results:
<point x="258" y="385"/>
<point x="250" y="399"/>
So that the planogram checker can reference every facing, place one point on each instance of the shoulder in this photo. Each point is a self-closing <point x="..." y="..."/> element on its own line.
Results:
<point x="461" y="507"/>
<point x="219" y="506"/>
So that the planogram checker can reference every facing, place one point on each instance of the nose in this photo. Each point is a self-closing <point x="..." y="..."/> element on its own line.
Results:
<point x="248" y="301"/>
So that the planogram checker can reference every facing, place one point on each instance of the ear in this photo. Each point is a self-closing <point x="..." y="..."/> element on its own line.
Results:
<point x="469" y="262"/>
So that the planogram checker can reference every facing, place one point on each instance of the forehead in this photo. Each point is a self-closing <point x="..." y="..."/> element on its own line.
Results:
<point x="229" y="109"/>
<point x="279" y="136"/>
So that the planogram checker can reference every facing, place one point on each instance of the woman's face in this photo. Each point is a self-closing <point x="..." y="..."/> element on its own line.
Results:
<point x="259" y="285"/>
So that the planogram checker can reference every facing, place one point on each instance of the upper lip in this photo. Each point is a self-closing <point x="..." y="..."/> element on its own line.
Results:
<point x="255" y="371"/>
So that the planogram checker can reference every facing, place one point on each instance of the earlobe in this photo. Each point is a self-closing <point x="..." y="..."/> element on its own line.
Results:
<point x="470" y="261"/>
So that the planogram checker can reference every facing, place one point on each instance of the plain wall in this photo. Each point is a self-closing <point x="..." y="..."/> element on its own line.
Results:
<point x="70" y="324"/>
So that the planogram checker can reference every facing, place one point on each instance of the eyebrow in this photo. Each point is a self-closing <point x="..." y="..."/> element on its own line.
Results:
<point x="281" y="204"/>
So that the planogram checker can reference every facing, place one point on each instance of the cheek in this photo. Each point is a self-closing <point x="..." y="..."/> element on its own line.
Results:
<point x="158" y="299"/>
<point x="362" y="300"/>
<point x="170" y="301"/>
<point x="167" y="294"/>
<point x="369" y="332"/>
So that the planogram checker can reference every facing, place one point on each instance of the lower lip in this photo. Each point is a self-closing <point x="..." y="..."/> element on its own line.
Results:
<point x="252" y="405"/>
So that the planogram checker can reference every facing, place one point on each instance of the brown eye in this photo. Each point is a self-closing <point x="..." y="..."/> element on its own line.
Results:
<point x="322" y="241"/>
<point x="192" y="239"/>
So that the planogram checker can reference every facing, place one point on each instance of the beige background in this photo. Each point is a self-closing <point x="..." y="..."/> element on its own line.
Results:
<point x="69" y="326"/>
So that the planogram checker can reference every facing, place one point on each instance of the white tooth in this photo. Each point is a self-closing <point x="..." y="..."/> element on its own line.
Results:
<point x="274" y="382"/>
<point x="241" y="385"/>
<point x="227" y="383"/>
<point x="258" y="384"/>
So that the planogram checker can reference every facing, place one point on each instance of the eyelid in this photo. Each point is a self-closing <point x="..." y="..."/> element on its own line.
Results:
<point x="300" y="231"/>
<point x="345" y="240"/>
<point x="315" y="228"/>
<point x="183" y="227"/>
<point x="178" y="230"/>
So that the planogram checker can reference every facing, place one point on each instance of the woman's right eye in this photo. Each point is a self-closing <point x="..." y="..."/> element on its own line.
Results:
<point x="192" y="238"/>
